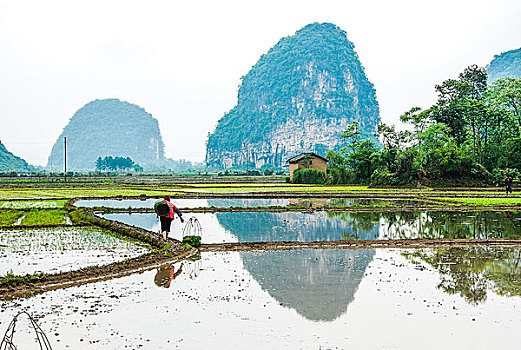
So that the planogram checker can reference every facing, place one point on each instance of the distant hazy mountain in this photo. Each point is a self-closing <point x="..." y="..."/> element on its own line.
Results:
<point x="10" y="162"/>
<point x="108" y="128"/>
<point x="508" y="64"/>
<point x="298" y="97"/>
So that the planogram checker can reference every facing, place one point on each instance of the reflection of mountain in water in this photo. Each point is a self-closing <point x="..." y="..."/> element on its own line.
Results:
<point x="293" y="226"/>
<point x="318" y="284"/>
<point x="146" y="221"/>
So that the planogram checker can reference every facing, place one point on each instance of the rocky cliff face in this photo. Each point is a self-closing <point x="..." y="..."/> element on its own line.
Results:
<point x="108" y="128"/>
<point x="299" y="97"/>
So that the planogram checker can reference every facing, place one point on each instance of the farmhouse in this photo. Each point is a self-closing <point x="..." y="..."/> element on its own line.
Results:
<point x="306" y="161"/>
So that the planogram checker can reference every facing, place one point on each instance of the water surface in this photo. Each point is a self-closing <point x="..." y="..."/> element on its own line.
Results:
<point x="312" y="299"/>
<point x="251" y="202"/>
<point x="327" y="226"/>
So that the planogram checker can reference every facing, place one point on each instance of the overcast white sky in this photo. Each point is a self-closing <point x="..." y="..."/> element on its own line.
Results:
<point x="182" y="61"/>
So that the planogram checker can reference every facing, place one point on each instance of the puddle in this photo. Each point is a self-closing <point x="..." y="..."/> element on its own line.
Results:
<point x="18" y="221"/>
<point x="249" y="203"/>
<point x="61" y="249"/>
<point x="328" y="226"/>
<point x="313" y="299"/>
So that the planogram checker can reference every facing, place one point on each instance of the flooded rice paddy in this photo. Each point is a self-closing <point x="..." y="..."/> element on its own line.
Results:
<point x="51" y="250"/>
<point x="249" y="202"/>
<point x="330" y="226"/>
<point x="449" y="298"/>
<point x="457" y="298"/>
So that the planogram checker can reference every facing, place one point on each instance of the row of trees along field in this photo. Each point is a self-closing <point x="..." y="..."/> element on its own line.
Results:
<point x="117" y="164"/>
<point x="471" y="135"/>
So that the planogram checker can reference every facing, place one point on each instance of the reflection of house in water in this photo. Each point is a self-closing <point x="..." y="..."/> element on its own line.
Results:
<point x="318" y="284"/>
<point x="308" y="203"/>
<point x="247" y="202"/>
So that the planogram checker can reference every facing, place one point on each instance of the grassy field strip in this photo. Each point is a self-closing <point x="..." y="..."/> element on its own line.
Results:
<point x="73" y="192"/>
<point x="45" y="217"/>
<point x="8" y="218"/>
<point x="483" y="202"/>
<point x="301" y="189"/>
<point x="32" y="193"/>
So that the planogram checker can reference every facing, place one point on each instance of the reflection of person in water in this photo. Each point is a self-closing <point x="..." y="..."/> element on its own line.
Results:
<point x="166" y="274"/>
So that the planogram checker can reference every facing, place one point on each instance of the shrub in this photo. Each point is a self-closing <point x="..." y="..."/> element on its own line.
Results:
<point x="382" y="177"/>
<point x="308" y="176"/>
<point x="194" y="241"/>
<point x="499" y="175"/>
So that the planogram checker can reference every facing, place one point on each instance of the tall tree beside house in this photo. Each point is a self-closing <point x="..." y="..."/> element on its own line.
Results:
<point x="471" y="135"/>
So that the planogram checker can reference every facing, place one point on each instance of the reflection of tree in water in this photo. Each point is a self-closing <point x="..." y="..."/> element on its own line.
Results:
<point x="318" y="284"/>
<point x="362" y="225"/>
<point x="371" y="202"/>
<point x="472" y="271"/>
<point x="435" y="224"/>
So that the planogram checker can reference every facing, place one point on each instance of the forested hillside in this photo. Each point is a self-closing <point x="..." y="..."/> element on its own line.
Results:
<point x="108" y="128"/>
<point x="298" y="97"/>
<point x="9" y="162"/>
<point x="508" y="64"/>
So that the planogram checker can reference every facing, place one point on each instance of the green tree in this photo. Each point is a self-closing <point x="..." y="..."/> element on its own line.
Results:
<point x="419" y="119"/>
<point x="364" y="160"/>
<point x="355" y="162"/>
<point x="506" y="94"/>
<point x="393" y="143"/>
<point x="439" y="153"/>
<point x="476" y="77"/>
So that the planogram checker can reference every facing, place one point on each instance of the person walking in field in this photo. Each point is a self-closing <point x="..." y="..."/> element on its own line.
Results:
<point x="166" y="221"/>
<point x="508" y="183"/>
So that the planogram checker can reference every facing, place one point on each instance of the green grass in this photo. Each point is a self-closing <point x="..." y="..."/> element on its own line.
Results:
<point x="484" y="202"/>
<point x="60" y="191"/>
<point x="297" y="189"/>
<point x="7" y="218"/>
<point x="11" y="279"/>
<point x="45" y="217"/>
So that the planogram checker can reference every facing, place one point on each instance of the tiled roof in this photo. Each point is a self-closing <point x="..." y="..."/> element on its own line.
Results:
<point x="301" y="156"/>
